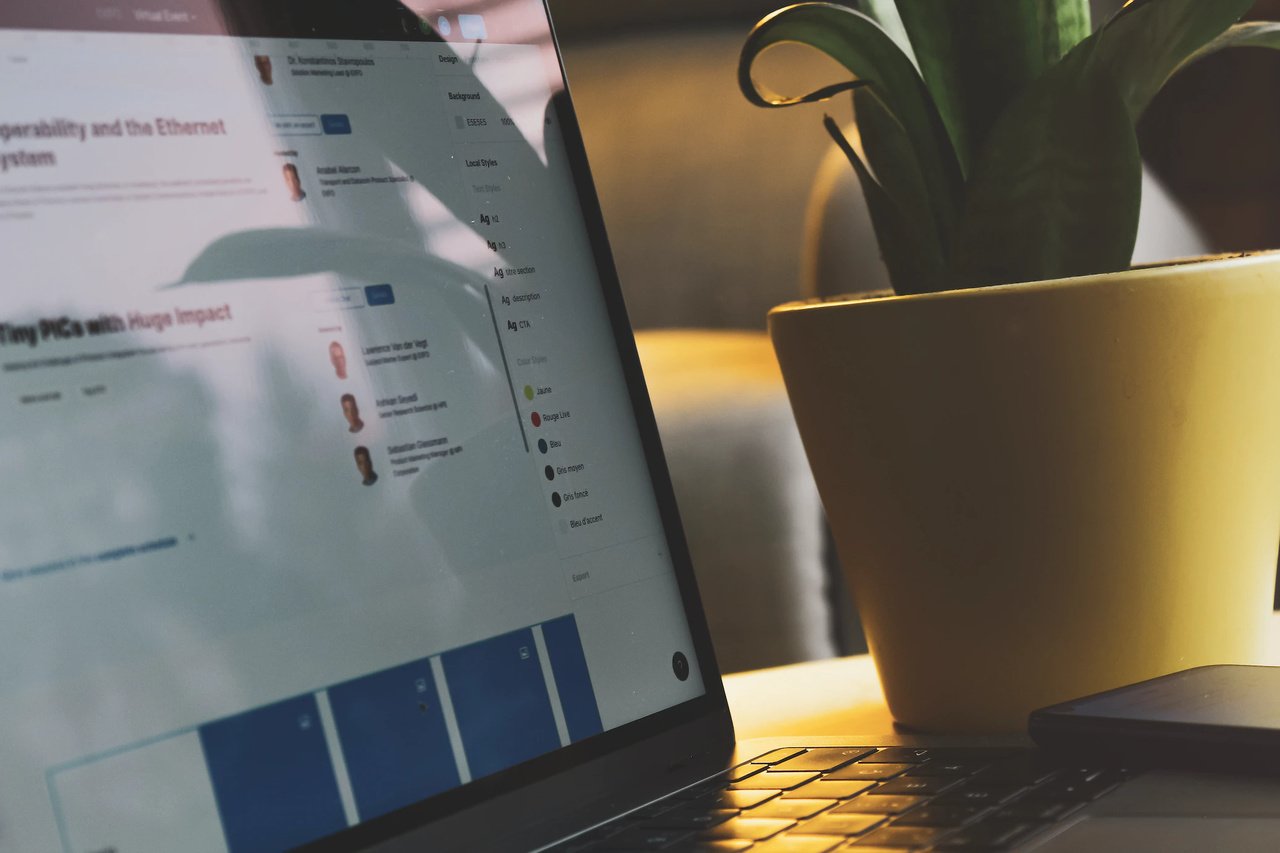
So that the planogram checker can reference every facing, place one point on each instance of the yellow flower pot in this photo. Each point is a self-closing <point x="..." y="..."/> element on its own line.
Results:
<point x="1045" y="490"/>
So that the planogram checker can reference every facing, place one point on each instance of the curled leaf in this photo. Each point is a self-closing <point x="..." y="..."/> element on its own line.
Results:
<point x="871" y="55"/>
<point x="1144" y="45"/>
<point x="764" y="97"/>
<point x="1251" y="34"/>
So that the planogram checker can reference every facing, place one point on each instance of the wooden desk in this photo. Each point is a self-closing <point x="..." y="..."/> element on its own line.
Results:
<point x="830" y="697"/>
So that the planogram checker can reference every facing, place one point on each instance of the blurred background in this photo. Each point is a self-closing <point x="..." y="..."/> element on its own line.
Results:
<point x="718" y="210"/>
<point x="1213" y="137"/>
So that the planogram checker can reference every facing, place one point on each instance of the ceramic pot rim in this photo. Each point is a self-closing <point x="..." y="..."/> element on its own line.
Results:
<point x="1143" y="273"/>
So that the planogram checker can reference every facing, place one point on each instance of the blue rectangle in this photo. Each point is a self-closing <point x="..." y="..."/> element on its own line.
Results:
<point x="573" y="681"/>
<point x="392" y="730"/>
<point x="336" y="123"/>
<point x="272" y="777"/>
<point x="500" y="700"/>
<point x="379" y="294"/>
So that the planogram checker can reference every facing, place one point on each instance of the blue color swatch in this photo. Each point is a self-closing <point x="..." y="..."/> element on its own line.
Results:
<point x="501" y="702"/>
<point x="392" y="730"/>
<point x="336" y="123"/>
<point x="573" y="682"/>
<point x="272" y="777"/>
<point x="379" y="294"/>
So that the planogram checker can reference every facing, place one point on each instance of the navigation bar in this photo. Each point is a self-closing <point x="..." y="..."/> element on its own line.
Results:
<point x="371" y="20"/>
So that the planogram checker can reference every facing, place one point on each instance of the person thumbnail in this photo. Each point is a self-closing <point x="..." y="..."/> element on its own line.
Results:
<point x="338" y="358"/>
<point x="263" y="64"/>
<point x="364" y="464"/>
<point x="294" y="182"/>
<point x="351" y="412"/>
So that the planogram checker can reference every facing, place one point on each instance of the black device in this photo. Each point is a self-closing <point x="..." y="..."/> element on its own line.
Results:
<point x="1210" y="717"/>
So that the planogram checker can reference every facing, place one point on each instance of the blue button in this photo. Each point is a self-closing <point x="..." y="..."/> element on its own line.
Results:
<point x="379" y="294"/>
<point x="336" y="123"/>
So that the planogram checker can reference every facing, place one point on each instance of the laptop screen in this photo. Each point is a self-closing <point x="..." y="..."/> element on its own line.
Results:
<point x="323" y="490"/>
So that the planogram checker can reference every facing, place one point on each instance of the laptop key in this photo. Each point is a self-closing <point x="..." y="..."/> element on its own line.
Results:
<point x="1078" y="787"/>
<point x="898" y="755"/>
<point x="692" y="819"/>
<point x="825" y="758"/>
<point x="589" y="840"/>
<point x="941" y="815"/>
<point x="949" y="769"/>
<point x="720" y="844"/>
<point x="862" y="770"/>
<point x="1022" y="770"/>
<point x="974" y="794"/>
<point x="740" y="799"/>
<point x="794" y="809"/>
<point x="744" y="771"/>
<point x="825" y="790"/>
<point x="1036" y="811"/>
<point x="981" y="754"/>
<point x="841" y="824"/>
<point x="752" y="828"/>
<point x="645" y="838"/>
<point x="775" y="781"/>
<point x="655" y="809"/>
<point x="778" y="755"/>
<point x="883" y="804"/>
<point x="989" y="835"/>
<point x="792" y="843"/>
<point x="918" y="785"/>
<point x="700" y="790"/>
<point x="904" y="837"/>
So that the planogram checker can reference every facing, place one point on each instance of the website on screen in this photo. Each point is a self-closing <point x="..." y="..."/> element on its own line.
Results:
<point x="323" y="491"/>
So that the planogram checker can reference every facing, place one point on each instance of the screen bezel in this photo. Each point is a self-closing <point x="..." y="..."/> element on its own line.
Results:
<point x="619" y="768"/>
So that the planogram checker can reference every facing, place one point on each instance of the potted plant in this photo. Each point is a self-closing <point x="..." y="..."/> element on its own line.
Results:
<point x="1047" y="474"/>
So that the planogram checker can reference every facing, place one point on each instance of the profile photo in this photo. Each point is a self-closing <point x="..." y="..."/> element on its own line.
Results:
<point x="294" y="182"/>
<point x="338" y="358"/>
<point x="364" y="464"/>
<point x="351" y="411"/>
<point x="263" y="64"/>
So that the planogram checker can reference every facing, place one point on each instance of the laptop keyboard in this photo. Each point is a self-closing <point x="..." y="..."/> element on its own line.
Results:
<point x="856" y="798"/>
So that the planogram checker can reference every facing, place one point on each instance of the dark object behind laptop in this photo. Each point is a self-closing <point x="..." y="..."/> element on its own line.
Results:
<point x="1224" y="718"/>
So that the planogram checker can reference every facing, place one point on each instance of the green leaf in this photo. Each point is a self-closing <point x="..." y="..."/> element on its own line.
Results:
<point x="977" y="55"/>
<point x="1128" y="7"/>
<point x="860" y="45"/>
<point x="888" y="153"/>
<point x="885" y="13"/>
<point x="1252" y="34"/>
<point x="1057" y="188"/>
<point x="913" y="268"/>
<point x="1063" y="25"/>
<point x="1147" y="42"/>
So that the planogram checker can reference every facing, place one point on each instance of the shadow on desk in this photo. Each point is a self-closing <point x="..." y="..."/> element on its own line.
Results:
<point x="832" y="697"/>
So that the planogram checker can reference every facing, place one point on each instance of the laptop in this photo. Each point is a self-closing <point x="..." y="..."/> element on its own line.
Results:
<point x="334" y="512"/>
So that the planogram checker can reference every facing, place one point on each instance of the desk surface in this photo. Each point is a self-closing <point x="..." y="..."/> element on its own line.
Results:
<point x="830" y="697"/>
